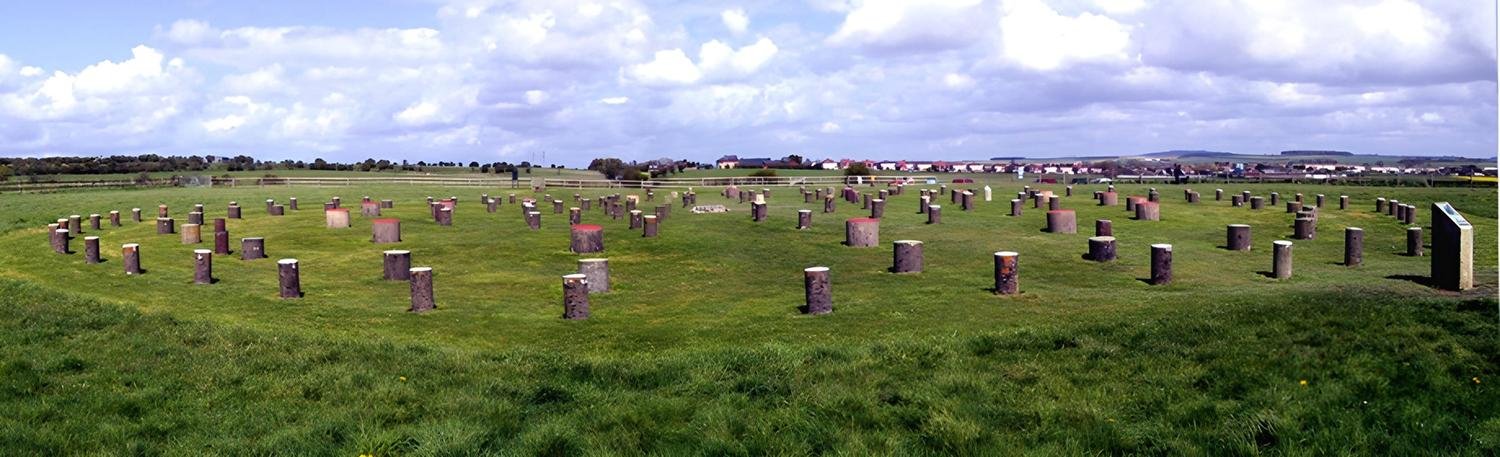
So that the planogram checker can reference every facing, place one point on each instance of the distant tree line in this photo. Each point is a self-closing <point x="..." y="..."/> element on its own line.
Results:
<point x="36" y="167"/>
<point x="614" y="168"/>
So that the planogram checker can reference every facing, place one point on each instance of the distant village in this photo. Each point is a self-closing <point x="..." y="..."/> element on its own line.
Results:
<point x="1131" y="167"/>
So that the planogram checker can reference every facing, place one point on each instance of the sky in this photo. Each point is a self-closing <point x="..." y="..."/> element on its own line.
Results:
<point x="564" y="81"/>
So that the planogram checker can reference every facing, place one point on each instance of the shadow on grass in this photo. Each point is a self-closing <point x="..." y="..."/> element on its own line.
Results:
<point x="1423" y="280"/>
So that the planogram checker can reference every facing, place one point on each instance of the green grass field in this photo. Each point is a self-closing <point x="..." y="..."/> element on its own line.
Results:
<point x="700" y="349"/>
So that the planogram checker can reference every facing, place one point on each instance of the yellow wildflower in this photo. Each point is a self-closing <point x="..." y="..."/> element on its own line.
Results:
<point x="1303" y="382"/>
<point x="403" y="379"/>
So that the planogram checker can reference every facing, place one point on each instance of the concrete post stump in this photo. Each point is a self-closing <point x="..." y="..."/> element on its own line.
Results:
<point x="817" y="290"/>
<point x="1062" y="221"/>
<point x="1007" y="273"/>
<point x="336" y="218"/>
<point x="804" y="219"/>
<point x="1104" y="227"/>
<point x="135" y="214"/>
<point x="907" y="256"/>
<point x="1161" y="264"/>
<point x="1354" y="246"/>
<point x="862" y="232"/>
<point x="203" y="266"/>
<point x="650" y="226"/>
<point x="131" y="254"/>
<point x="587" y="238"/>
<point x="1257" y="203"/>
<point x="165" y="226"/>
<point x="91" y="249"/>
<point x="385" y="231"/>
<point x="575" y="297"/>
<point x="290" y="278"/>
<point x="422" y="299"/>
<point x="192" y="234"/>
<point x="1102" y="248"/>
<point x="252" y="248"/>
<point x="1281" y="259"/>
<point x="1148" y="211"/>
<point x="396" y="265"/>
<point x="1238" y="237"/>
<point x="934" y="214"/>
<point x="1414" y="241"/>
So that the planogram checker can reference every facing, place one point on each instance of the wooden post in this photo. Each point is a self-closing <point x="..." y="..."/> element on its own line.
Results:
<point x="1062" y="221"/>
<point x="91" y="249"/>
<point x="397" y="265"/>
<point x="1148" y="211"/>
<point x="596" y="272"/>
<point x="421" y="290"/>
<point x="1281" y="259"/>
<point x="587" y="238"/>
<point x="1102" y="248"/>
<point x="385" y="231"/>
<point x="1161" y="264"/>
<point x="934" y="214"/>
<point x="252" y="248"/>
<point x="1414" y="241"/>
<point x="1007" y="273"/>
<point x="192" y="234"/>
<point x="817" y="290"/>
<point x="1104" y="227"/>
<point x="165" y="226"/>
<point x="907" y="256"/>
<point x="131" y="253"/>
<point x="1237" y="237"/>
<point x="862" y="232"/>
<point x="804" y="219"/>
<point x="575" y="297"/>
<point x="291" y="280"/>
<point x="1354" y="246"/>
<point x="203" y="266"/>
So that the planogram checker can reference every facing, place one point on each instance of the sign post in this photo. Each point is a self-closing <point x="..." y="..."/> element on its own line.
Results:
<point x="1452" y="248"/>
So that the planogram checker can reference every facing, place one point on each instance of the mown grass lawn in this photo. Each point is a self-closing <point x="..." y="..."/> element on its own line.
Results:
<point x="700" y="349"/>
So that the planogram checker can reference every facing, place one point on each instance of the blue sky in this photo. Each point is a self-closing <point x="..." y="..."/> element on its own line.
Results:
<point x="492" y="80"/>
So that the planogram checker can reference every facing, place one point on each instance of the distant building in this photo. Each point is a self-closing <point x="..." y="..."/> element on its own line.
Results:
<point x="727" y="162"/>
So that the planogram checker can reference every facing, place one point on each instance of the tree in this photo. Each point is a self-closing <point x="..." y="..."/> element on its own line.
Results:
<point x="857" y="169"/>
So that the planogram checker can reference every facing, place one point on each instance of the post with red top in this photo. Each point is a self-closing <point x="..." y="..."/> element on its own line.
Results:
<point x="336" y="218"/>
<point x="587" y="238"/>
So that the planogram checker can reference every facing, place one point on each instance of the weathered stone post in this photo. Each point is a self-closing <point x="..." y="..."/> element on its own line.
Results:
<point x="1102" y="248"/>
<point x="1238" y="237"/>
<point x="877" y="208"/>
<point x="934" y="214"/>
<point x="94" y="221"/>
<point x="1411" y="214"/>
<point x="1390" y="206"/>
<point x="804" y="219"/>
<point x="165" y="226"/>
<point x="1257" y="203"/>
<point x="131" y="253"/>
<point x="862" y="232"/>
<point x="1104" y="227"/>
<point x="1161" y="264"/>
<point x="396" y="265"/>
<point x="252" y="248"/>
<point x="192" y="234"/>
<point x="1414" y="241"/>
<point x="195" y="218"/>
<point x="203" y="266"/>
<point x="1452" y="248"/>
<point x="1062" y="221"/>
<point x="385" y="231"/>
<point x="816" y="287"/>
<point x="575" y="297"/>
<point x="135" y="214"/>
<point x="988" y="193"/>
<point x="91" y="249"/>
<point x="1302" y="228"/>
<point x="1007" y="273"/>
<point x="649" y="226"/>
<point x="422" y="300"/>
<point x="1148" y="211"/>
<point x="290" y="278"/>
<point x="1354" y="246"/>
<point x="587" y="238"/>
<point x="907" y="256"/>
<point x="596" y="272"/>
<point x="1281" y="259"/>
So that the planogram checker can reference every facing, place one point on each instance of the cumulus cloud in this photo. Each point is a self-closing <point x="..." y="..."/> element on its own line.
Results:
<point x="735" y="20"/>
<point x="911" y="26"/>
<point x="716" y="60"/>
<point x="1038" y="37"/>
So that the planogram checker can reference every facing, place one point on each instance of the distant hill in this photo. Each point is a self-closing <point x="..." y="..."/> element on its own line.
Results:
<point x="1316" y="153"/>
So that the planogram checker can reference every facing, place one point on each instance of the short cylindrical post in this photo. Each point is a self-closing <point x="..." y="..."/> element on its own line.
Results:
<point x="534" y="220"/>
<point x="557" y="206"/>
<point x="1062" y="221"/>
<point x="421" y="289"/>
<point x="816" y="288"/>
<point x="278" y="210"/>
<point x="203" y="266"/>
<point x="1153" y="196"/>
<point x="1380" y="205"/>
<point x="445" y="216"/>
<point x="1104" y="227"/>
<point x="1245" y="196"/>
<point x="1281" y="259"/>
<point x="221" y="225"/>
<point x="291" y="280"/>
<point x="161" y="211"/>
<point x="1161" y="264"/>
<point x="1354" y="246"/>
<point x="1238" y="237"/>
<point x="95" y="218"/>
<point x="1218" y="194"/>
<point x="1007" y="273"/>
<point x="195" y="218"/>
<point x="1293" y="206"/>
<point x="1318" y="201"/>
<point x="60" y="240"/>
<point x="635" y="219"/>
<point x="252" y="248"/>
<point x="1302" y="228"/>
<point x="877" y="208"/>
<point x="1414" y="241"/>
<point x="91" y="249"/>
<point x="1192" y="197"/>
<point x="907" y="256"/>
<point x="1343" y="202"/>
<point x="1054" y="203"/>
<point x="114" y="218"/>
<point x="1015" y="207"/>
<point x="650" y="226"/>
<point x="575" y="215"/>
<point x="1110" y="198"/>
<point x="862" y="232"/>
<point x="135" y="214"/>
<point x="1275" y="198"/>
<point x="596" y="271"/>
<point x="1234" y="200"/>
<point x="131" y="254"/>
<point x="397" y="265"/>
<point x="192" y="233"/>
<point x="575" y="297"/>
<point x="336" y="217"/>
<point x="369" y="209"/>
<point x="934" y="214"/>
<point x="1148" y="211"/>
<point x="804" y="219"/>
<point x="165" y="226"/>
<point x="1257" y="203"/>
<point x="221" y="242"/>
<point x="587" y="238"/>
<point x="385" y="231"/>
<point x="292" y="203"/>
<point x="922" y="203"/>
<point x="1102" y="248"/>
<point x="387" y="204"/>
<point x="1131" y="202"/>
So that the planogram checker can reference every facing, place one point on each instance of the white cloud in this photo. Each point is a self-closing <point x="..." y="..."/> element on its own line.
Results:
<point x="615" y="100"/>
<point x="735" y="20"/>
<point x="958" y="81"/>
<point x="420" y="113"/>
<point x="937" y="24"/>
<point x="670" y="66"/>
<point x="535" y="97"/>
<point x="716" y="60"/>
<point x="1120" y="6"/>
<point x="830" y="127"/>
<point x="1035" y="36"/>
